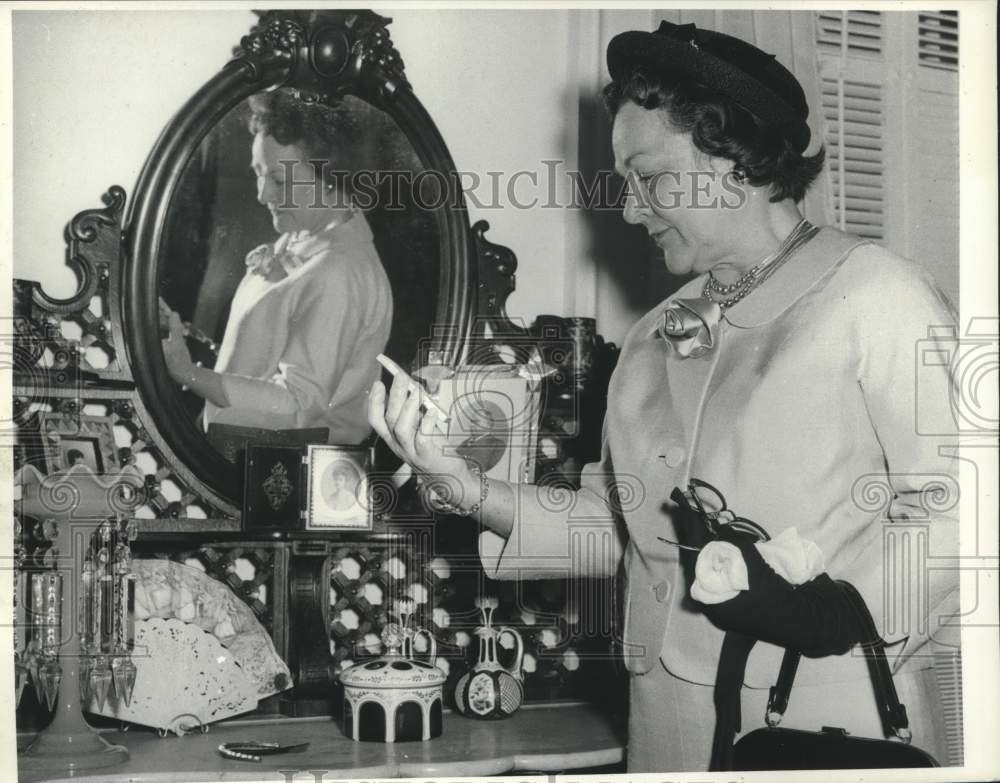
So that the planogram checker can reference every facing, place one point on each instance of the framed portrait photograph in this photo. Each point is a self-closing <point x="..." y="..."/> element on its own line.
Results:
<point x="78" y="441"/>
<point x="337" y="488"/>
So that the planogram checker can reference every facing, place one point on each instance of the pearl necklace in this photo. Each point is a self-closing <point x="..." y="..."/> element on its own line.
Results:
<point x="759" y="272"/>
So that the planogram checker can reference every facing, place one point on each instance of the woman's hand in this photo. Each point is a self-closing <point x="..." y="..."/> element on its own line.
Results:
<point x="175" y="350"/>
<point x="410" y="431"/>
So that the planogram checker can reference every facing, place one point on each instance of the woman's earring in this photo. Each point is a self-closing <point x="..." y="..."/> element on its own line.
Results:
<point x="740" y="175"/>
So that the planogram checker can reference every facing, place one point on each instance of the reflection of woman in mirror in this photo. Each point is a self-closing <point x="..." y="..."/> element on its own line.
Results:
<point x="315" y="307"/>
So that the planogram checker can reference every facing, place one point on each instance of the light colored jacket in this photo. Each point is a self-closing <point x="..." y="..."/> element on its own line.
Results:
<point x="300" y="352"/>
<point x="804" y="415"/>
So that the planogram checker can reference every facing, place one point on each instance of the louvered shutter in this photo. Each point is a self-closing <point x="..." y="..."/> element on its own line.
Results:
<point x="890" y="114"/>
<point x="948" y="671"/>
<point x="860" y="32"/>
<point x="851" y="54"/>
<point x="852" y="111"/>
<point x="937" y="40"/>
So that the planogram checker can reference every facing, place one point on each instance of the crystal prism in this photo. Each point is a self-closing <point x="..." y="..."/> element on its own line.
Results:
<point x="86" y="666"/>
<point x="100" y="682"/>
<point x="50" y="675"/>
<point x="124" y="674"/>
<point x="34" y="664"/>
<point x="21" y="675"/>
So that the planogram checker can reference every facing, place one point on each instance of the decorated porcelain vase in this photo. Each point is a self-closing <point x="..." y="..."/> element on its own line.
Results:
<point x="489" y="689"/>
<point x="396" y="697"/>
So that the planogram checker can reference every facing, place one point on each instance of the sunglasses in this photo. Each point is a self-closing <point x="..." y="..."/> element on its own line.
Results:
<point x="715" y="513"/>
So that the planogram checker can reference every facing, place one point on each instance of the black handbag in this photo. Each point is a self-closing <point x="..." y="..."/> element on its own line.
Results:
<point x="775" y="748"/>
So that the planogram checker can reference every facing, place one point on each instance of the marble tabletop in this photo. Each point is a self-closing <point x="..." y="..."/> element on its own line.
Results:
<point x="539" y="738"/>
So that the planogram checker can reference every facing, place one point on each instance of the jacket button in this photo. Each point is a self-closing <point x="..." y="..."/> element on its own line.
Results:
<point x="662" y="591"/>
<point x="674" y="456"/>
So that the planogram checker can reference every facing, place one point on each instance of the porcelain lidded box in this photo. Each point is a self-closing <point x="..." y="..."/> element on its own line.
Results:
<point x="395" y="698"/>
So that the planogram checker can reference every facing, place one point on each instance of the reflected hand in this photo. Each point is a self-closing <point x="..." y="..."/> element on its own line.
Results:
<point x="411" y="432"/>
<point x="175" y="350"/>
<point x="164" y="313"/>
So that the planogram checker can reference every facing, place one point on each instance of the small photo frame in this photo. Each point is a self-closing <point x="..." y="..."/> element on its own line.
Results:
<point x="86" y="442"/>
<point x="337" y="489"/>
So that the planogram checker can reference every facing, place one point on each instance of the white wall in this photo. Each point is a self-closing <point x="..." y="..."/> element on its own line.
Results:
<point x="495" y="83"/>
<point x="92" y="91"/>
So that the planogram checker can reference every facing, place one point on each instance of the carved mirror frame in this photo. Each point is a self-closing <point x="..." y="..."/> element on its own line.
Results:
<point x="323" y="55"/>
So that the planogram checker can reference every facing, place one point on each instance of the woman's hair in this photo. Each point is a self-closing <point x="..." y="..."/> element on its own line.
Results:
<point x="339" y="134"/>
<point x="722" y="128"/>
<point x="353" y="135"/>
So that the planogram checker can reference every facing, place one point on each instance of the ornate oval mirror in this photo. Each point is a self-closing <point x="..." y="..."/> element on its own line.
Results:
<point x="228" y="242"/>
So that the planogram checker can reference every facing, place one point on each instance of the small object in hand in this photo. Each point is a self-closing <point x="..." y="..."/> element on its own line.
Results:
<point x="255" y="751"/>
<point x="395" y="370"/>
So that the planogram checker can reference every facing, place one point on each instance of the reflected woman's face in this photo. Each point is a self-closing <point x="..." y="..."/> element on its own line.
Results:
<point x="294" y="194"/>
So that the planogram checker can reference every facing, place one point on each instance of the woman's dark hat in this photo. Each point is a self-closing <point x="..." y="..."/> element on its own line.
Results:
<point x="734" y="68"/>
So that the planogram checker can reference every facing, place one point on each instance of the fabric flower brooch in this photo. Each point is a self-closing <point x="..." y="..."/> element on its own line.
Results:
<point x="260" y="259"/>
<point x="721" y="572"/>
<point x="690" y="326"/>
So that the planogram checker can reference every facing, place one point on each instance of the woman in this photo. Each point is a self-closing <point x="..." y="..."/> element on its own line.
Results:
<point x="313" y="309"/>
<point x="783" y="374"/>
<point x="340" y="498"/>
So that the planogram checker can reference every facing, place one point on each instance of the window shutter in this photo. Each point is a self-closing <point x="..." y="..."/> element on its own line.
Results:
<point x="859" y="32"/>
<point x="948" y="670"/>
<point x="889" y="86"/>
<point x="937" y="40"/>
<point x="851" y="51"/>
<point x="852" y="112"/>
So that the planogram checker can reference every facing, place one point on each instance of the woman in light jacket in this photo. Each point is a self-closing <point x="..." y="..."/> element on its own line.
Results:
<point x="785" y="373"/>
<point x="314" y="308"/>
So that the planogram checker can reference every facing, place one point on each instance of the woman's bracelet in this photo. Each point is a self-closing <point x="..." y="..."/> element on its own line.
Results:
<point x="445" y="507"/>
